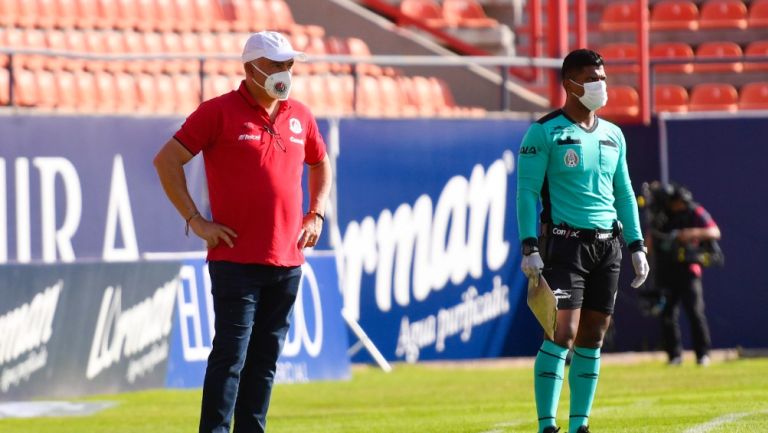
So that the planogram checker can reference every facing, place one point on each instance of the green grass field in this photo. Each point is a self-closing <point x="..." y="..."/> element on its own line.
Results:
<point x="649" y="397"/>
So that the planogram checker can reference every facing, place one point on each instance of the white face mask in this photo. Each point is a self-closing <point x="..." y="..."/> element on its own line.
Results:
<point x="277" y="85"/>
<point x="595" y="94"/>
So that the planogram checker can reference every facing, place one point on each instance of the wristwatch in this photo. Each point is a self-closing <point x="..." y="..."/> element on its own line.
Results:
<point x="530" y="246"/>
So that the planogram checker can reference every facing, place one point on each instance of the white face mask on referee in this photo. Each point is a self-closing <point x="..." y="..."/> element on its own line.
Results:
<point x="595" y="94"/>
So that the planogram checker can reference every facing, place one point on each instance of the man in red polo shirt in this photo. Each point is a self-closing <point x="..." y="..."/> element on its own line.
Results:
<point x="255" y="142"/>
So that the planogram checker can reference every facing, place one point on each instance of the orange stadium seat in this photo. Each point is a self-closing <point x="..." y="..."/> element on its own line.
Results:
<point x="675" y="15"/>
<point x="24" y="88"/>
<point x="466" y="13"/>
<point x="714" y="97"/>
<point x="758" y="14"/>
<point x="106" y="101"/>
<point x="34" y="38"/>
<point x="244" y="17"/>
<point x="146" y="14"/>
<point x="87" y="98"/>
<point x="618" y="16"/>
<point x="9" y="13"/>
<point x="114" y="43"/>
<point x="229" y="44"/>
<point x="217" y="84"/>
<point x="209" y="16"/>
<point x="623" y="103"/>
<point x="75" y="41"/>
<point x="146" y="93"/>
<point x="55" y="40"/>
<point x="358" y="48"/>
<point x="166" y="15"/>
<point x="187" y="90"/>
<point x="153" y="44"/>
<point x="94" y="44"/>
<point x="754" y="96"/>
<point x="66" y="89"/>
<point x="428" y="11"/>
<point x="184" y="15"/>
<point x="127" y="14"/>
<point x="27" y="13"/>
<point x="670" y="97"/>
<point x="425" y="99"/>
<point x="87" y="12"/>
<point x="672" y="50"/>
<point x="127" y="95"/>
<point x="5" y="82"/>
<point x="392" y="99"/>
<point x="617" y="52"/>
<point x="47" y="16"/>
<point x="66" y="14"/>
<point x="47" y="94"/>
<point x="756" y="49"/>
<point x="723" y="14"/>
<point x="368" y="101"/>
<point x="341" y="88"/>
<point x="719" y="50"/>
<point x="108" y="15"/>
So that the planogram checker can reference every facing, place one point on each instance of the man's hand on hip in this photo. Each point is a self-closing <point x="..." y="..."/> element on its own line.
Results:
<point x="640" y="263"/>
<point x="311" y="228"/>
<point x="532" y="266"/>
<point x="212" y="233"/>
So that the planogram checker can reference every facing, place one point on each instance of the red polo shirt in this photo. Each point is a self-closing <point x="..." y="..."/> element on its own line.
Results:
<point x="254" y="167"/>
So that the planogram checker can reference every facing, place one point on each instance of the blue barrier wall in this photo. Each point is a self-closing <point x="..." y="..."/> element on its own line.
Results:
<point x="393" y="175"/>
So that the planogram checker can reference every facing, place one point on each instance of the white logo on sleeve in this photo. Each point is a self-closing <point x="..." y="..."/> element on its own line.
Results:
<point x="561" y="294"/>
<point x="571" y="158"/>
<point x="295" y="125"/>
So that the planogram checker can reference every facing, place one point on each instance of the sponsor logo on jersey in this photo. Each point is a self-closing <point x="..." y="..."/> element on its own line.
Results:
<point x="528" y="150"/>
<point x="571" y="158"/>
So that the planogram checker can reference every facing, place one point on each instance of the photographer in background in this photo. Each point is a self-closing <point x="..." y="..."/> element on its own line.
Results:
<point x="683" y="239"/>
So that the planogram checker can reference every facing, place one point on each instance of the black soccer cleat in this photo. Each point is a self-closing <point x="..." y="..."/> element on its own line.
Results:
<point x="551" y="430"/>
<point x="583" y="429"/>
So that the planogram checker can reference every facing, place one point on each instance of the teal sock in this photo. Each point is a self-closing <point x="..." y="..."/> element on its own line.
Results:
<point x="549" y="370"/>
<point x="582" y="379"/>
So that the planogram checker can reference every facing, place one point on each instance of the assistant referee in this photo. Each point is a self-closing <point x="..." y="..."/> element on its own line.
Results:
<point x="575" y="162"/>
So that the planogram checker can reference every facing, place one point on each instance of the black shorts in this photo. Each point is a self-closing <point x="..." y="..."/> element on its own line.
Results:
<point x="582" y="274"/>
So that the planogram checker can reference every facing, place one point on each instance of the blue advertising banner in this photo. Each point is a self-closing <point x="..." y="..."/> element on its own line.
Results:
<point x="429" y="237"/>
<point x="316" y="345"/>
<point x="84" y="328"/>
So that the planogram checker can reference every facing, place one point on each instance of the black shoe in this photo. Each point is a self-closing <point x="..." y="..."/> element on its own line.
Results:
<point x="583" y="429"/>
<point x="551" y="429"/>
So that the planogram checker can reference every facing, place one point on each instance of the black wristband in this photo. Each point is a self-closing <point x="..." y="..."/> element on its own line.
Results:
<point x="322" y="218"/>
<point x="636" y="246"/>
<point x="530" y="246"/>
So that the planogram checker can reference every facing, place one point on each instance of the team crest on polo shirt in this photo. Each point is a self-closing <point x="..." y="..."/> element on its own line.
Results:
<point x="294" y="125"/>
<point x="571" y="158"/>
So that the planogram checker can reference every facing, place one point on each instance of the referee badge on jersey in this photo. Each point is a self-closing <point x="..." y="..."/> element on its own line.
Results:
<point x="294" y="125"/>
<point x="571" y="158"/>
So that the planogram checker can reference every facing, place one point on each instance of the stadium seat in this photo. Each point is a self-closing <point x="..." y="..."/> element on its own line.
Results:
<point x="754" y="96"/>
<point x="618" y="52"/>
<point x="758" y="14"/>
<point x="153" y="44"/>
<point x="5" y="82"/>
<point x="87" y="97"/>
<point x="620" y="16"/>
<point x="357" y="47"/>
<point x="184" y="15"/>
<point x="27" y="13"/>
<point x="106" y="101"/>
<point x="714" y="97"/>
<point x="392" y="100"/>
<point x="672" y="50"/>
<point x="209" y="16"/>
<point x="341" y="89"/>
<point x="46" y="13"/>
<point x="675" y="15"/>
<point x="34" y="38"/>
<point x="427" y="11"/>
<point x="623" y="103"/>
<point x="671" y="98"/>
<point x="218" y="84"/>
<point x="146" y="93"/>
<point x="756" y="49"/>
<point x="108" y="15"/>
<point x="87" y="12"/>
<point x="127" y="14"/>
<point x="147" y="15"/>
<point x="368" y="102"/>
<point x="723" y="14"/>
<point x="133" y="43"/>
<point x="423" y="90"/>
<point x="66" y="14"/>
<point x="166" y="15"/>
<point x="466" y="13"/>
<point x="244" y="16"/>
<point x="75" y="41"/>
<point x="165" y="94"/>
<point x="67" y="90"/>
<point x="719" y="50"/>
<point x="24" y="88"/>
<point x="187" y="90"/>
<point x="9" y="13"/>
<point x="126" y="91"/>
<point x="172" y="45"/>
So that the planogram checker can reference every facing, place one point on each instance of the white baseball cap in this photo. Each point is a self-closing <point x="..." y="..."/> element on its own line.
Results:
<point x="272" y="45"/>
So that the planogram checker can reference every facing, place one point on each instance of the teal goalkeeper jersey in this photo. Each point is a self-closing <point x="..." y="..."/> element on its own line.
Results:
<point x="580" y="175"/>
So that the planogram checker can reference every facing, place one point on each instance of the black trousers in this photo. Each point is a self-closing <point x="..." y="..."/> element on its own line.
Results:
<point x="681" y="286"/>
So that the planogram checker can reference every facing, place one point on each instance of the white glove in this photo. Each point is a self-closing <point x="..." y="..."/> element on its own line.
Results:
<point x="640" y="263"/>
<point x="532" y="266"/>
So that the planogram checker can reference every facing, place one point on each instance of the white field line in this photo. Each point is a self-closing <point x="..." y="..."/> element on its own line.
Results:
<point x="725" y="419"/>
